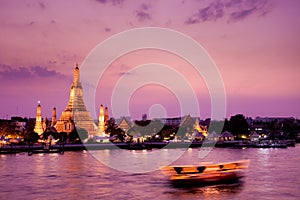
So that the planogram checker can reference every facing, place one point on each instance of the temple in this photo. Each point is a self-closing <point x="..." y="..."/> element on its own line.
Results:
<point x="75" y="112"/>
<point x="199" y="128"/>
<point x="106" y="116"/>
<point x="53" y="121"/>
<point x="101" y="123"/>
<point x="38" y="128"/>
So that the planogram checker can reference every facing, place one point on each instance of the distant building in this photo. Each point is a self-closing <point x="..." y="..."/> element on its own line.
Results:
<point x="270" y="119"/>
<point x="19" y="123"/>
<point x="254" y="136"/>
<point x="174" y="122"/>
<point x="213" y="136"/>
<point x="257" y="127"/>
<point x="226" y="136"/>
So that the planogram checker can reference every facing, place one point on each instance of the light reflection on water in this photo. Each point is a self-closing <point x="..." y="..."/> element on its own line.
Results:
<point x="273" y="174"/>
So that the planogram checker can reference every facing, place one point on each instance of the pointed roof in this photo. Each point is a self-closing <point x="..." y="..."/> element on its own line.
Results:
<point x="187" y="120"/>
<point x="124" y="124"/>
<point x="226" y="134"/>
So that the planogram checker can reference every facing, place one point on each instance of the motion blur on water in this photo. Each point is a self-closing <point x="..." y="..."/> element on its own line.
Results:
<point x="272" y="174"/>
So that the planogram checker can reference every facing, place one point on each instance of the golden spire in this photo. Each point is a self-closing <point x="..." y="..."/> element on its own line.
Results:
<point x="38" y="128"/>
<point x="76" y="74"/>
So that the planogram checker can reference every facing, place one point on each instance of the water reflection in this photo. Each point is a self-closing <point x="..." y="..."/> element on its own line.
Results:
<point x="207" y="192"/>
<point x="78" y="175"/>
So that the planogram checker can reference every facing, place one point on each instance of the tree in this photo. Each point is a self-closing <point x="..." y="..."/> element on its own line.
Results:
<point x="238" y="125"/>
<point x="120" y="134"/>
<point x="148" y="127"/>
<point x="111" y="126"/>
<point x="290" y="129"/>
<point x="226" y="125"/>
<point x="31" y="136"/>
<point x="62" y="136"/>
<point x="29" y="126"/>
<point x="166" y="132"/>
<point x="78" y="134"/>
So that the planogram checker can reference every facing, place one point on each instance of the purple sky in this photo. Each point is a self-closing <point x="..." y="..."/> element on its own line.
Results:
<point x="254" y="43"/>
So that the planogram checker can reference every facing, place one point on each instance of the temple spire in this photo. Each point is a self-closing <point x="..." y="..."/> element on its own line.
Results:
<point x="53" y="121"/>
<point x="75" y="111"/>
<point x="76" y="75"/>
<point x="38" y="127"/>
<point x="106" y="116"/>
<point x="101" y="122"/>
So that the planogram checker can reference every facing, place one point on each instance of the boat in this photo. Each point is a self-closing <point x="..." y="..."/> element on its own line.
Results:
<point x="206" y="174"/>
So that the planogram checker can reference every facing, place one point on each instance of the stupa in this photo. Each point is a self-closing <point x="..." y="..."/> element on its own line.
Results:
<point x="101" y="122"/>
<point x="76" y="110"/>
<point x="38" y="127"/>
<point x="106" y="116"/>
<point x="53" y="121"/>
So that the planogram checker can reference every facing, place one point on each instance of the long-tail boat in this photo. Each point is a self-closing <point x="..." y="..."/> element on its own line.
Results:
<point x="204" y="174"/>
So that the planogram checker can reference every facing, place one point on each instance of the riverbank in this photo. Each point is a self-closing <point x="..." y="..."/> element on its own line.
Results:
<point x="40" y="148"/>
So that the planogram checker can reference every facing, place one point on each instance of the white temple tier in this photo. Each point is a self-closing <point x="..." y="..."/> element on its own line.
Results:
<point x="75" y="111"/>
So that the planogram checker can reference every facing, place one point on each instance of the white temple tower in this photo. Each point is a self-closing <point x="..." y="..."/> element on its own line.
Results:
<point x="38" y="127"/>
<point x="76" y="110"/>
<point x="106" y="116"/>
<point x="53" y="122"/>
<point x="101" y="123"/>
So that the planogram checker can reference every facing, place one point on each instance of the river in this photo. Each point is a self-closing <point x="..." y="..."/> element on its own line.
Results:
<point x="272" y="174"/>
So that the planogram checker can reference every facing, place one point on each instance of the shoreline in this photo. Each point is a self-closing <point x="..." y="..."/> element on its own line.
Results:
<point x="60" y="148"/>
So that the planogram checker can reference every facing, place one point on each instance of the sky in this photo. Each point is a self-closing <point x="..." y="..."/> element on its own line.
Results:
<point x="255" y="45"/>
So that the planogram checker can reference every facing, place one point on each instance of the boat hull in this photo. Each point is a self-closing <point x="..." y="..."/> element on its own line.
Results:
<point x="206" y="174"/>
<point x="207" y="179"/>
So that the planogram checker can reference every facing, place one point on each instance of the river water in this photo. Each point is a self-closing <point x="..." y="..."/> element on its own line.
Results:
<point x="272" y="174"/>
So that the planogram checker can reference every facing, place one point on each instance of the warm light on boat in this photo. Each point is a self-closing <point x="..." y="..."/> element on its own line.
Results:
<point x="206" y="173"/>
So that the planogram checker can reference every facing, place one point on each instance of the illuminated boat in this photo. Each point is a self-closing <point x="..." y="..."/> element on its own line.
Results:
<point x="205" y="174"/>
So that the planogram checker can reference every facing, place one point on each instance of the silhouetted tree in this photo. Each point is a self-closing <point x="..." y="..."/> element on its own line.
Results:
<point x="147" y="127"/>
<point x="290" y="129"/>
<point x="238" y="125"/>
<point x="78" y="134"/>
<point x="166" y="132"/>
<point x="120" y="134"/>
<point x="62" y="136"/>
<point x="31" y="136"/>
<point x="226" y="125"/>
<point x="111" y="126"/>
